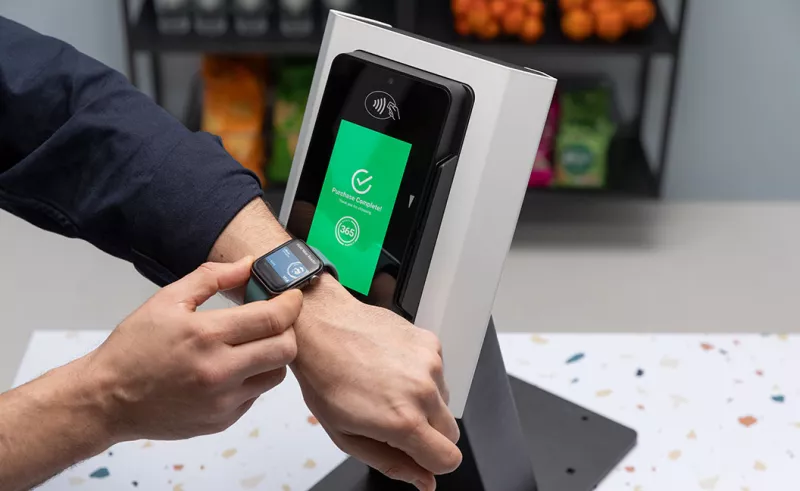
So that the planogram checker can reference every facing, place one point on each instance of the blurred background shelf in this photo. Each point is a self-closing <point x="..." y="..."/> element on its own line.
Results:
<point x="143" y="35"/>
<point x="629" y="173"/>
<point x="434" y="20"/>
<point x="633" y="170"/>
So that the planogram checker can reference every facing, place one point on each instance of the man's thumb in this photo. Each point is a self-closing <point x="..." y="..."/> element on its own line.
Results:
<point x="204" y="282"/>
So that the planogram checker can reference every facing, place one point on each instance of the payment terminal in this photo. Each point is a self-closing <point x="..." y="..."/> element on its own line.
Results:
<point x="377" y="174"/>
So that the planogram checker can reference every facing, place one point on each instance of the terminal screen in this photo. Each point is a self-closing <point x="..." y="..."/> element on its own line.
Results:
<point x="356" y="201"/>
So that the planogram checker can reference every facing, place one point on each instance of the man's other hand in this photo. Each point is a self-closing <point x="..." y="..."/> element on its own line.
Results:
<point x="170" y="372"/>
<point x="376" y="384"/>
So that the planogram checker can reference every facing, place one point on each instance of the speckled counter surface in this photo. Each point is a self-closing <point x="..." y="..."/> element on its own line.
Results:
<point x="713" y="412"/>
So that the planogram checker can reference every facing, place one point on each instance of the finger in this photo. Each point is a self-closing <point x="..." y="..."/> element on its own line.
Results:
<point x="257" y="320"/>
<point x="430" y="449"/>
<point x="442" y="420"/>
<point x="204" y="282"/>
<point x="257" y="385"/>
<point x="264" y="355"/>
<point x="389" y="461"/>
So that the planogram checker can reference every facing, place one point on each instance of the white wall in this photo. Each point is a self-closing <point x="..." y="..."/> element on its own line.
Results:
<point x="736" y="124"/>
<point x="94" y="26"/>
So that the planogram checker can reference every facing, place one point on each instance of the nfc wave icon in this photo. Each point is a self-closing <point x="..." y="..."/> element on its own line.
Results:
<point x="381" y="105"/>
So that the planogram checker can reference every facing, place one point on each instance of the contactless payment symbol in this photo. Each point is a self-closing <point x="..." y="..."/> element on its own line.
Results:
<point x="296" y="270"/>
<point x="347" y="231"/>
<point x="381" y="105"/>
<point x="360" y="181"/>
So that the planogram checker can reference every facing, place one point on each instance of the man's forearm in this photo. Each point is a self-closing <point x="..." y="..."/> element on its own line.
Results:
<point x="50" y="424"/>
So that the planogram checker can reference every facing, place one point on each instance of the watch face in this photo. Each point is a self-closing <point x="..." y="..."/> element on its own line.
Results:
<point x="289" y="266"/>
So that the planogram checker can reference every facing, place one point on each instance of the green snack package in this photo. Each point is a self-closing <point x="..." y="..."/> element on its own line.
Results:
<point x="291" y="96"/>
<point x="586" y="106"/>
<point x="584" y="138"/>
<point x="582" y="154"/>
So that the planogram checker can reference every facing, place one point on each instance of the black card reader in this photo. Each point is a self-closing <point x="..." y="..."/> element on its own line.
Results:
<point x="377" y="175"/>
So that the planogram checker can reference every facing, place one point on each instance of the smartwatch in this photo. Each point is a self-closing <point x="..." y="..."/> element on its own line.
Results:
<point x="293" y="265"/>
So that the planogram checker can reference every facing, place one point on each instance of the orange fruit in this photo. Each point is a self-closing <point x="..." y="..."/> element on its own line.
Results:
<point x="597" y="6"/>
<point x="610" y="24"/>
<point x="490" y="30"/>
<point x="639" y="14"/>
<point x="567" y="5"/>
<point x="498" y="8"/>
<point x="460" y="7"/>
<point x="462" y="26"/>
<point x="535" y="8"/>
<point x="577" y="24"/>
<point x="513" y="20"/>
<point x="532" y="29"/>
<point x="478" y="17"/>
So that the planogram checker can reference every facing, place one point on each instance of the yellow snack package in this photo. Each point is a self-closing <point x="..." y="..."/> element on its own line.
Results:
<point x="234" y="107"/>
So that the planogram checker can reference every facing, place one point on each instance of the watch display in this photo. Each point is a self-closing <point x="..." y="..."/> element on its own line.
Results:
<point x="289" y="266"/>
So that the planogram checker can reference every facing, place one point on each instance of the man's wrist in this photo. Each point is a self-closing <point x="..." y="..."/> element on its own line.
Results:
<point x="326" y="298"/>
<point x="254" y="231"/>
<point x="85" y="400"/>
<point x="67" y="405"/>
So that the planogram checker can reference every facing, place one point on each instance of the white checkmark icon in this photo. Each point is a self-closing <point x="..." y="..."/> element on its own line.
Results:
<point x="358" y="183"/>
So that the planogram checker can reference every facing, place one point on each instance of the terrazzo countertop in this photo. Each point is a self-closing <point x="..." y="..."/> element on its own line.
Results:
<point x="717" y="412"/>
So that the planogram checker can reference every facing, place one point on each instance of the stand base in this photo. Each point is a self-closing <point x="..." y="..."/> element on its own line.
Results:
<point x="571" y="449"/>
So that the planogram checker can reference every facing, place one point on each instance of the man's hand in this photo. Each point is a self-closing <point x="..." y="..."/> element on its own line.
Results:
<point x="372" y="379"/>
<point x="376" y="384"/>
<point x="166" y="372"/>
<point x="175" y="373"/>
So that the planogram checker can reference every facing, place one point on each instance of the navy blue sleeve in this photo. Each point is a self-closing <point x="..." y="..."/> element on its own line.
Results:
<point x="84" y="154"/>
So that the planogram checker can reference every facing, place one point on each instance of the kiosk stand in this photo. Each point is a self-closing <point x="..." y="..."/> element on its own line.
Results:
<point x="409" y="176"/>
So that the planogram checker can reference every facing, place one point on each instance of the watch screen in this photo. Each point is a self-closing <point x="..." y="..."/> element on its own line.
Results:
<point x="286" y="265"/>
<point x="356" y="203"/>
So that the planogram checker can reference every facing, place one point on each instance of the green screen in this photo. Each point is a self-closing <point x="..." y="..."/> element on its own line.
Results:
<point x="357" y="200"/>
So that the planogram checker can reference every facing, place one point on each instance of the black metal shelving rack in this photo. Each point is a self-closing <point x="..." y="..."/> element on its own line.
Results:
<point x="630" y="172"/>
